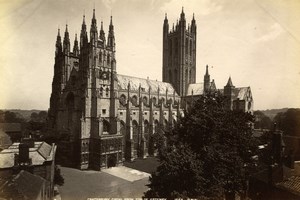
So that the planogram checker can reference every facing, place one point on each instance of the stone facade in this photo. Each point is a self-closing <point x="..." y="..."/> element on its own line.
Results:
<point x="105" y="118"/>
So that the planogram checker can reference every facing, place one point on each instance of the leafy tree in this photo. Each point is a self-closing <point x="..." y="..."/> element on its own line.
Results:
<point x="262" y="121"/>
<point x="289" y="122"/>
<point x="208" y="154"/>
<point x="11" y="117"/>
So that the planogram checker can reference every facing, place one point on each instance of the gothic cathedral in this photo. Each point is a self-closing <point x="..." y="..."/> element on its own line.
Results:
<point x="103" y="118"/>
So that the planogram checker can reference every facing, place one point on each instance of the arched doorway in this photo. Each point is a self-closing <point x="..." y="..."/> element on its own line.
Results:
<point x="111" y="160"/>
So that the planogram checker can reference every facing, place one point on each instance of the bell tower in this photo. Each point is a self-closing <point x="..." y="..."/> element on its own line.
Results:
<point x="179" y="53"/>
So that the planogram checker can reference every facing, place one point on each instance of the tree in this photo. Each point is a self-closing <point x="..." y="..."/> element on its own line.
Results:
<point x="12" y="117"/>
<point x="262" y="121"/>
<point x="289" y="122"/>
<point x="58" y="178"/>
<point x="208" y="154"/>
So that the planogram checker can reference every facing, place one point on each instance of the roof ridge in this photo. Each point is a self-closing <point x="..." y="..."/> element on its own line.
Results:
<point x="141" y="78"/>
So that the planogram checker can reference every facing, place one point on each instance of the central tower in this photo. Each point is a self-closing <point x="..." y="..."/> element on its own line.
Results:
<point x="179" y="54"/>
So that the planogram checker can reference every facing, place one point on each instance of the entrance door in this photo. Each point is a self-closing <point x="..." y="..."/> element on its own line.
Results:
<point x="111" y="160"/>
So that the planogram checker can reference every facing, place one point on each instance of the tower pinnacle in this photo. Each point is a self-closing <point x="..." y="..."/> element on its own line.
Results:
<point x="66" y="44"/>
<point x="58" y="44"/>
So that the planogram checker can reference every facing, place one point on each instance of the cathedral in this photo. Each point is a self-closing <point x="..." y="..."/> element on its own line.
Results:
<point x="103" y="117"/>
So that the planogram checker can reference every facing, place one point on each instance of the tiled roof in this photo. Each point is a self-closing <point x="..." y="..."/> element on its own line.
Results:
<point x="23" y="186"/>
<point x="40" y="153"/>
<point x="238" y="92"/>
<point x="197" y="89"/>
<point x="292" y="184"/>
<point x="145" y="84"/>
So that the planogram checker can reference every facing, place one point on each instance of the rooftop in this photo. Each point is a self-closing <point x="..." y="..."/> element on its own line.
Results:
<point x="40" y="153"/>
<point x="24" y="186"/>
<point x="145" y="85"/>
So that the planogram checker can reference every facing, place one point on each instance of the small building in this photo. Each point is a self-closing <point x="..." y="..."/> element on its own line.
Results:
<point x="37" y="158"/>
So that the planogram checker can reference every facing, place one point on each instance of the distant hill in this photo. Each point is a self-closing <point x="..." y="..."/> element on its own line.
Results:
<point x="24" y="113"/>
<point x="273" y="112"/>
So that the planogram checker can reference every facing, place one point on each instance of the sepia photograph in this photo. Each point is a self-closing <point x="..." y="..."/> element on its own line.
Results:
<point x="149" y="99"/>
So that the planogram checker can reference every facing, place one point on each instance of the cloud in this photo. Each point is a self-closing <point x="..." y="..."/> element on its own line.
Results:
<point x="203" y="7"/>
<point x="274" y="31"/>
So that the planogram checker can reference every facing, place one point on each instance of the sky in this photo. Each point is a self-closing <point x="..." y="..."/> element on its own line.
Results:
<point x="256" y="42"/>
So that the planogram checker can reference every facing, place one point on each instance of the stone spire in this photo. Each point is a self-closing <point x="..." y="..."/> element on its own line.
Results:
<point x="102" y="33"/>
<point x="111" y="35"/>
<point x="66" y="44"/>
<point x="75" y="47"/>
<point x="58" y="45"/>
<point x="93" y="30"/>
<point x="83" y="34"/>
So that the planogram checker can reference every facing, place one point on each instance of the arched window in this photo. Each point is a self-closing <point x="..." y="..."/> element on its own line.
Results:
<point x="146" y="126"/>
<point x="106" y="126"/>
<point x="135" y="134"/>
<point x="166" y="125"/>
<point x="154" y="100"/>
<point x="122" y="99"/>
<point x="101" y="91"/>
<point x="107" y="91"/>
<point x="190" y="76"/>
<point x="100" y="57"/>
<point x="145" y="100"/>
<point x="134" y="100"/>
<point x="125" y="137"/>
<point x="146" y="133"/>
<point x="156" y="126"/>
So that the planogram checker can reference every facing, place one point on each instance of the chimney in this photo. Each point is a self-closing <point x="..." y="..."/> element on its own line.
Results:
<point x="29" y="141"/>
<point x="24" y="153"/>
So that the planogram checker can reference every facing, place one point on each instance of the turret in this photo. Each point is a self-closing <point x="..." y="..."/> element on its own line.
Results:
<point x="182" y="22"/>
<point x="66" y="44"/>
<point x="93" y="30"/>
<point x="193" y="25"/>
<point x="58" y="45"/>
<point x="206" y="81"/>
<point x="111" y="36"/>
<point x="182" y="15"/>
<point x="165" y="27"/>
<point x="83" y="34"/>
<point x="228" y="93"/>
<point x="102" y="34"/>
<point x="75" y="47"/>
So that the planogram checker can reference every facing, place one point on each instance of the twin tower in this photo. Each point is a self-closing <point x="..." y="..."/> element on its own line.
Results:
<point x="179" y="54"/>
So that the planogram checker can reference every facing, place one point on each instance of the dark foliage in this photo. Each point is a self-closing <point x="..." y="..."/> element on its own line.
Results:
<point x="262" y="121"/>
<point x="58" y="178"/>
<point x="11" y="117"/>
<point x="289" y="122"/>
<point x="208" y="154"/>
